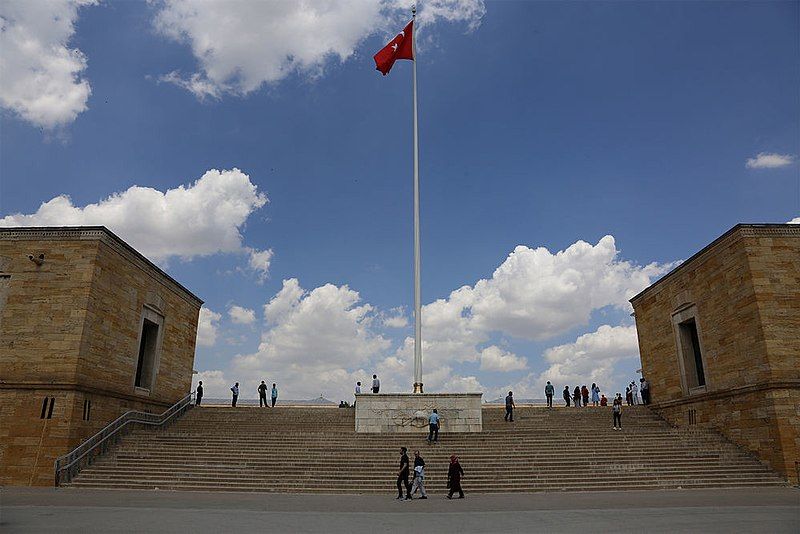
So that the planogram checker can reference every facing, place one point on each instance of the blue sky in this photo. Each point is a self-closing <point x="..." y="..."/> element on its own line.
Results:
<point x="542" y="124"/>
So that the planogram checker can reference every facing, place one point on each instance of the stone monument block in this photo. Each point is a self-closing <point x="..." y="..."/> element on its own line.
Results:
<point x="408" y="412"/>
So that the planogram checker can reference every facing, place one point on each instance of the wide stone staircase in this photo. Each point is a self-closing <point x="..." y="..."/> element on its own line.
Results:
<point x="303" y="450"/>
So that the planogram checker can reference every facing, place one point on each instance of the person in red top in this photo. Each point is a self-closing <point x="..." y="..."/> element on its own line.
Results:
<point x="603" y="400"/>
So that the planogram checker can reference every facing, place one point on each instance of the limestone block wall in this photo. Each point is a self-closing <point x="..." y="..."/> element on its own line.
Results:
<point x="407" y="412"/>
<point x="117" y="297"/>
<point x="69" y="330"/>
<point x="45" y="308"/>
<point x="29" y="444"/>
<point x="721" y="287"/>
<point x="765" y="422"/>
<point x="746" y="290"/>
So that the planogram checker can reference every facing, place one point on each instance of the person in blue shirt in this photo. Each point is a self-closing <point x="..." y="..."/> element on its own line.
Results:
<point x="274" y="394"/>
<point x="433" y="426"/>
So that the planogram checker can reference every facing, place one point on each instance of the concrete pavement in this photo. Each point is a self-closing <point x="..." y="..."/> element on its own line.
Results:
<point x="85" y="511"/>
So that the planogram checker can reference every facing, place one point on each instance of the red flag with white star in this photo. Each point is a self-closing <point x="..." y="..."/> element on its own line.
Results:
<point x="401" y="47"/>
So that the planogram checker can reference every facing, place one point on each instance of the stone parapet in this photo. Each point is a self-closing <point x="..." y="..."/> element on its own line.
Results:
<point x="408" y="412"/>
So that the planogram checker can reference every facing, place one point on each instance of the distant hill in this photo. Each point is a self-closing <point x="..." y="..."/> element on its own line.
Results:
<point x="518" y="401"/>
<point x="319" y="401"/>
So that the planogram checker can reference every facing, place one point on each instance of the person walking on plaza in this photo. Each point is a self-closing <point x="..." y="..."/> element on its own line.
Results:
<point x="402" y="475"/>
<point x="198" y="396"/>
<point x="433" y="426"/>
<point x="262" y="395"/>
<point x="595" y="395"/>
<point x="635" y="393"/>
<point x="566" y="395"/>
<point x="585" y="395"/>
<point x="376" y="384"/>
<point x="510" y="407"/>
<point x="616" y="409"/>
<point x="274" y="394"/>
<point x="603" y="400"/>
<point x="234" y="394"/>
<point x="419" y="476"/>
<point x="454" y="474"/>
<point x="576" y="397"/>
<point x="548" y="392"/>
<point x="645" y="389"/>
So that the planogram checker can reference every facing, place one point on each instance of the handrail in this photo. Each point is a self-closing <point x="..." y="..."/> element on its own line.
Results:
<point x="85" y="453"/>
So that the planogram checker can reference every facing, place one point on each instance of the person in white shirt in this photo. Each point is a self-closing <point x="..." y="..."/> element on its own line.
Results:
<point x="419" y="476"/>
<point x="376" y="384"/>
<point x="635" y="392"/>
<point x="358" y="388"/>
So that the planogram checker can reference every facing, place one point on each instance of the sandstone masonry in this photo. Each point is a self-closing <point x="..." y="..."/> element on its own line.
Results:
<point x="719" y="339"/>
<point x="87" y="332"/>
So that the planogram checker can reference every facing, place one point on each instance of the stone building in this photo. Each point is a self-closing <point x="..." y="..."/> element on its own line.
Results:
<point x="89" y="329"/>
<point x="719" y="339"/>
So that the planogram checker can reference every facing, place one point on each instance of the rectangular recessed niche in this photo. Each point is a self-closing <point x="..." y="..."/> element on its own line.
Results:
<point x="152" y="330"/>
<point x="692" y="355"/>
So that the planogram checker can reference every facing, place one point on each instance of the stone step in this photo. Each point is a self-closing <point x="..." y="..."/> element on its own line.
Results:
<point x="287" y="450"/>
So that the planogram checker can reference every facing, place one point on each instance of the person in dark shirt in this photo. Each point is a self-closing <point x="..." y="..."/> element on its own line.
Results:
<point x="576" y="396"/>
<point x="198" y="393"/>
<point x="585" y="395"/>
<point x="262" y="395"/>
<point x="402" y="475"/>
<point x="616" y="409"/>
<point x="566" y="395"/>
<point x="454" y="474"/>
<point x="510" y="407"/>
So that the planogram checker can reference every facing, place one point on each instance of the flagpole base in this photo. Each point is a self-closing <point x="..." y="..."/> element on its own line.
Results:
<point x="417" y="387"/>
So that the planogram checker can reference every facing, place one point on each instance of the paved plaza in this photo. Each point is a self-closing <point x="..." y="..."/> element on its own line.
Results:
<point x="39" y="510"/>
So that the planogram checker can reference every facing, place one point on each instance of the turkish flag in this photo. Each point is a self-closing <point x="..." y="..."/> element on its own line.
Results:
<point x="401" y="47"/>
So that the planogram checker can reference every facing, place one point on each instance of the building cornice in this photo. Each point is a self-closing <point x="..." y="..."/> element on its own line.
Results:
<point x="736" y="392"/>
<point x="736" y="233"/>
<point x="97" y="233"/>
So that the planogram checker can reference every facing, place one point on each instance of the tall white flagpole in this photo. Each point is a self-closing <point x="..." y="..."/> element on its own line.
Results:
<point x="417" y="296"/>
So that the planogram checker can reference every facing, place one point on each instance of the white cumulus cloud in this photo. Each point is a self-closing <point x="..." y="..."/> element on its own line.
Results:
<point x="215" y="384"/>
<point x="396" y="318"/>
<point x="40" y="75"/>
<point x="591" y="358"/>
<point x="769" y="160"/>
<point x="197" y="220"/>
<point x="317" y="339"/>
<point x="240" y="315"/>
<point x="207" y="326"/>
<point x="259" y="261"/>
<point x="494" y="358"/>
<point x="241" y="45"/>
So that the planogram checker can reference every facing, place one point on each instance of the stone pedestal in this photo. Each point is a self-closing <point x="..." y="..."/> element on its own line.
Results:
<point x="408" y="412"/>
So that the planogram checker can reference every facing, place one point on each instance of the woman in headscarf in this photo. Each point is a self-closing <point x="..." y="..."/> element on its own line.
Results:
<point x="595" y="395"/>
<point x="576" y="396"/>
<point x="454" y="474"/>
